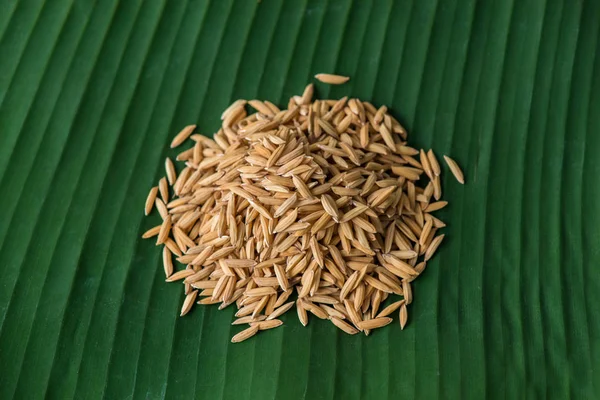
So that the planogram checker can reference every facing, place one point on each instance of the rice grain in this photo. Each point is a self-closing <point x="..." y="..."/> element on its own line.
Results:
<point x="150" y="200"/>
<point x="332" y="79"/>
<point x="245" y="334"/>
<point x="456" y="171"/>
<point x="182" y="135"/>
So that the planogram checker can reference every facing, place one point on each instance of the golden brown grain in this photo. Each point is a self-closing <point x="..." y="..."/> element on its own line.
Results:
<point x="281" y="277"/>
<point x="404" y="254"/>
<point x="424" y="235"/>
<point x="308" y="94"/>
<point x="346" y="327"/>
<point x="170" y="170"/>
<point x="330" y="207"/>
<point x="286" y="205"/>
<point x="164" y="189"/>
<point x="407" y="291"/>
<point x="433" y="162"/>
<point x="354" y="212"/>
<point x="248" y="319"/>
<point x="425" y="164"/>
<point x="151" y="232"/>
<point x="316" y="310"/>
<point x="179" y="275"/>
<point x="390" y="309"/>
<point x="259" y="292"/>
<point x="280" y="311"/>
<point x="302" y="315"/>
<point x="165" y="230"/>
<point x="437" y="188"/>
<point x="403" y="315"/>
<point x="260" y="107"/>
<point x="374" y="323"/>
<point x="332" y="79"/>
<point x="150" y="200"/>
<point x="353" y="314"/>
<point x="245" y="334"/>
<point x="182" y="135"/>
<point x="302" y="188"/>
<point x="188" y="302"/>
<point x="235" y="105"/>
<point x="407" y="172"/>
<point x="162" y="208"/>
<point x="435" y="243"/>
<point x="438" y="205"/>
<point x="269" y="324"/>
<point x="167" y="261"/>
<point x="456" y="171"/>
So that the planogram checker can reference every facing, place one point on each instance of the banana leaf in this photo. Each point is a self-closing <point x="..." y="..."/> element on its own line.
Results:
<point x="92" y="91"/>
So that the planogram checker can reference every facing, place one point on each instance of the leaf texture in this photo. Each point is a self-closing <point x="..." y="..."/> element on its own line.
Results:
<point x="92" y="92"/>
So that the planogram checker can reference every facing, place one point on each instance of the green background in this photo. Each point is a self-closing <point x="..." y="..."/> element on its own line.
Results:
<point x="91" y="92"/>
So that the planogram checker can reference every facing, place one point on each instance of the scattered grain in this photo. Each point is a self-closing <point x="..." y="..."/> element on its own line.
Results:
<point x="456" y="171"/>
<point x="150" y="200"/>
<point x="346" y="327"/>
<point x="403" y="315"/>
<point x="182" y="135"/>
<point x="245" y="334"/>
<point x="332" y="79"/>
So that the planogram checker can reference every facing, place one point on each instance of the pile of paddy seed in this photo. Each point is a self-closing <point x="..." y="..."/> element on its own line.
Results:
<point x="322" y="205"/>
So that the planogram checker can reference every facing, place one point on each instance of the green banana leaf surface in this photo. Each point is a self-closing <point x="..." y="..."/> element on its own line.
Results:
<point x="92" y="92"/>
